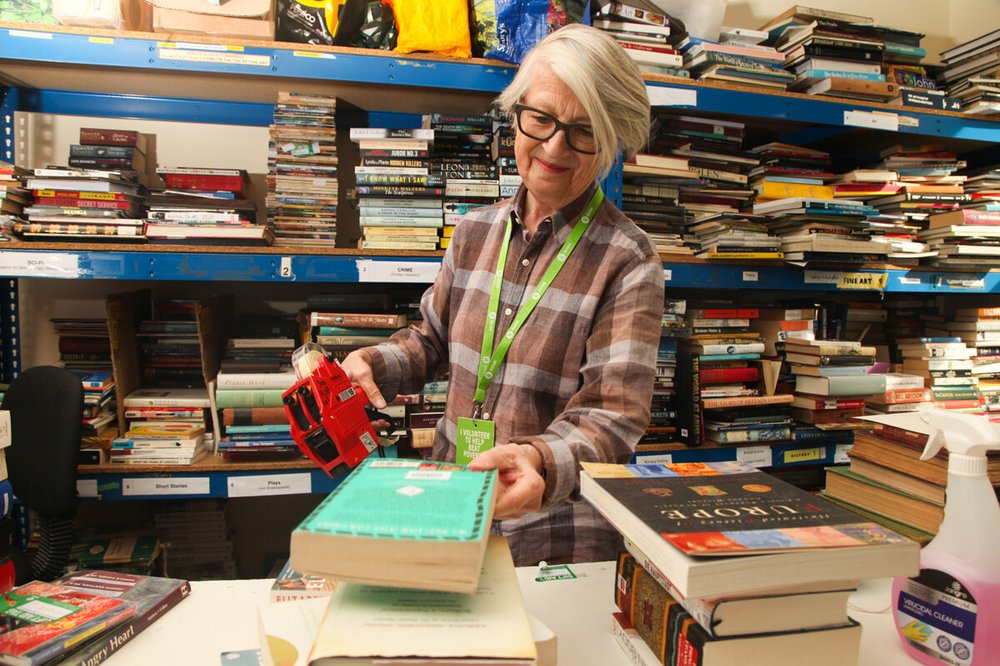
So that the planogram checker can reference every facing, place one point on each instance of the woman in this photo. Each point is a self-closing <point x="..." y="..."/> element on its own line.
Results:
<point x="572" y="379"/>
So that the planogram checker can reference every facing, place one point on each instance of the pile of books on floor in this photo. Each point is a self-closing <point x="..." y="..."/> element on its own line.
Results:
<point x="650" y="36"/>
<point x="201" y="538"/>
<point x="302" y="162"/>
<point x="398" y="196"/>
<point x="418" y="577"/>
<point x="82" y="204"/>
<point x="204" y="206"/>
<point x="717" y="572"/>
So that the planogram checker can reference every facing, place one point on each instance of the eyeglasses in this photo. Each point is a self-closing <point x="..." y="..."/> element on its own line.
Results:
<point x="542" y="126"/>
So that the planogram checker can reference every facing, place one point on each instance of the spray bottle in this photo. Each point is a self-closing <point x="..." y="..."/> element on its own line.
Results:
<point x="950" y="612"/>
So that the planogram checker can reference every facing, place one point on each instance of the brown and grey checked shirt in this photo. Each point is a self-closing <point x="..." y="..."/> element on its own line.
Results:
<point x="578" y="378"/>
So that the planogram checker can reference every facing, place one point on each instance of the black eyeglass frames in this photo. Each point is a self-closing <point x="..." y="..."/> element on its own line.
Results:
<point x="542" y="126"/>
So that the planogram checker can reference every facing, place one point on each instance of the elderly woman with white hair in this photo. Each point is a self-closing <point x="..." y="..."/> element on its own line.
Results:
<point x="546" y="311"/>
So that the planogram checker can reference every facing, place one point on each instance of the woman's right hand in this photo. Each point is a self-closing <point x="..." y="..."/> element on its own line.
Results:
<point x="358" y="367"/>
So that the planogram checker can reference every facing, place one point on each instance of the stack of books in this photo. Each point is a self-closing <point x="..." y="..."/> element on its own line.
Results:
<point x="785" y="170"/>
<point x="302" y="163"/>
<point x="718" y="570"/>
<point x="943" y="361"/>
<point x="88" y="204"/>
<point x="463" y="155"/>
<point x="778" y="325"/>
<point x="201" y="538"/>
<point x="399" y="198"/>
<point x="418" y="575"/>
<point x="903" y="393"/>
<point x="13" y="197"/>
<point x="165" y="409"/>
<point x="832" y="53"/>
<point x="735" y="236"/>
<point x="170" y="346"/>
<point x="160" y="444"/>
<point x="649" y="35"/>
<point x="738" y="57"/>
<point x="971" y="72"/>
<point x="813" y="230"/>
<point x="204" y="206"/>
<point x="714" y="149"/>
<point x="963" y="237"/>
<point x="663" y="415"/>
<point x="832" y="381"/>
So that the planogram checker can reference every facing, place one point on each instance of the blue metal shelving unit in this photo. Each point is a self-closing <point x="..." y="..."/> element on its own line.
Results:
<point x="37" y="56"/>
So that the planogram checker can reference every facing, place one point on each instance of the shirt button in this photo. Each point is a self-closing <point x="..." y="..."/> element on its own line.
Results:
<point x="525" y="262"/>
<point x="507" y="311"/>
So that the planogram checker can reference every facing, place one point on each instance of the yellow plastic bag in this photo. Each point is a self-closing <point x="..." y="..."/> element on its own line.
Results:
<point x="436" y="26"/>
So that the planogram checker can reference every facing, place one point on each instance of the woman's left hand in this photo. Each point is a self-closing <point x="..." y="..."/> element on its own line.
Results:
<point x="519" y="474"/>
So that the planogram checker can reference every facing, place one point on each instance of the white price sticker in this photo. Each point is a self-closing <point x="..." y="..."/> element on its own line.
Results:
<point x="269" y="484"/>
<point x="840" y="454"/>
<point x="195" y="485"/>
<point x="422" y="272"/>
<point x="756" y="456"/>
<point x="668" y="275"/>
<point x="872" y="119"/>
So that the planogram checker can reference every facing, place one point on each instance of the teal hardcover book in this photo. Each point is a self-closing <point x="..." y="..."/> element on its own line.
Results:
<point x="402" y="523"/>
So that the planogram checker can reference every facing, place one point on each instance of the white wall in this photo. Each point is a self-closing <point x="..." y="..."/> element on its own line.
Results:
<point x="971" y="18"/>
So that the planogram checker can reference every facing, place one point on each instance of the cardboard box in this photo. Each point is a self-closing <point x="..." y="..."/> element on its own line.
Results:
<point x="250" y="19"/>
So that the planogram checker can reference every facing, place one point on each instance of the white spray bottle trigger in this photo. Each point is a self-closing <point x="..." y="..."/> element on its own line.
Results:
<point x="967" y="434"/>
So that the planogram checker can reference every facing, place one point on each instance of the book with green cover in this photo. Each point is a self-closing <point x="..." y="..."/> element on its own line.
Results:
<point x="697" y="523"/>
<point x="404" y="523"/>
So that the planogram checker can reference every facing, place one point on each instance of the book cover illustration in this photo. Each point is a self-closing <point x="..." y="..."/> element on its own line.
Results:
<point x="729" y="508"/>
<point x="407" y="499"/>
<point x="40" y="621"/>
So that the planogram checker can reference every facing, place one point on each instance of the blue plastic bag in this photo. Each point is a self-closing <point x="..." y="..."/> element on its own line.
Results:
<point x="508" y="29"/>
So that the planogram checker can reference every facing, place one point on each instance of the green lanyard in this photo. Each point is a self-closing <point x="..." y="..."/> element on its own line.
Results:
<point x="490" y="359"/>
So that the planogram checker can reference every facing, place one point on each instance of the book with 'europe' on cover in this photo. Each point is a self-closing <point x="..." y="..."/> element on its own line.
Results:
<point x="404" y="523"/>
<point x="698" y="522"/>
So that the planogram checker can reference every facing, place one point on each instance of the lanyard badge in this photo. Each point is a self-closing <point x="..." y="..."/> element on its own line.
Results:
<point x="476" y="435"/>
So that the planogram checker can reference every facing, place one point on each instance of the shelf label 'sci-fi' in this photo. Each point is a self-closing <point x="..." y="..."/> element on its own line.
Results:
<point x="39" y="264"/>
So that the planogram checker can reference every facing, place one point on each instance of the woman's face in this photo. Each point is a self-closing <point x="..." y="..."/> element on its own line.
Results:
<point x="554" y="174"/>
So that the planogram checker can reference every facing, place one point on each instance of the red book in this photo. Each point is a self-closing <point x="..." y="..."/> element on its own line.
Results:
<point x="98" y="136"/>
<point x="192" y="181"/>
<point x="73" y="202"/>
<point x="725" y="313"/>
<point x="727" y="375"/>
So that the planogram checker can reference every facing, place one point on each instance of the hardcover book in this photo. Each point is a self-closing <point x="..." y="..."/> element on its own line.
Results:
<point x="369" y="624"/>
<point x="152" y="595"/>
<point x="403" y="523"/>
<point x="698" y="522"/>
<point x="42" y="621"/>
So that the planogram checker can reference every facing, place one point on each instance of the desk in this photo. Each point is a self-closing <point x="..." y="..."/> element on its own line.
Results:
<point x="220" y="616"/>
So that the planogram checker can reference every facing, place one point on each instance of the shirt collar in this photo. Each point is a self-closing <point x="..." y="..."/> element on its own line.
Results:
<point x="564" y="218"/>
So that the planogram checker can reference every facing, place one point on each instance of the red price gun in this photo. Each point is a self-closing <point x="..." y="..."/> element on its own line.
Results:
<point x="329" y="417"/>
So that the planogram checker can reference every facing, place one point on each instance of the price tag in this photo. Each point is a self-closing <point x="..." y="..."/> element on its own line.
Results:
<point x="872" y="119"/>
<point x="39" y="264"/>
<point x="269" y="484"/>
<point x="195" y="485"/>
<point x="840" y="455"/>
<point x="422" y="272"/>
<point x="756" y="456"/>
<point x="670" y="96"/>
<point x="750" y="276"/>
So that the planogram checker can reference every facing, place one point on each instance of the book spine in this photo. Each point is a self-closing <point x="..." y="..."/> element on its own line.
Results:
<point x="203" y="182"/>
<point x="689" y="418"/>
<point x="107" y="137"/>
<point x="248" y="398"/>
<point x="354" y="319"/>
<point x="927" y="101"/>
<point x="72" y="202"/>
<point x="726" y="375"/>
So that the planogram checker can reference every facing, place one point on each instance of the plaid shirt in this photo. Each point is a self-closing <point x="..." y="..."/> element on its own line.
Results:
<point x="578" y="378"/>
